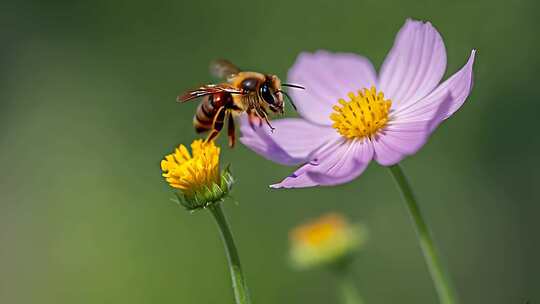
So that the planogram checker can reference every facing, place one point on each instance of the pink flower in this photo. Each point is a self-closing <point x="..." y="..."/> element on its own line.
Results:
<point x="385" y="117"/>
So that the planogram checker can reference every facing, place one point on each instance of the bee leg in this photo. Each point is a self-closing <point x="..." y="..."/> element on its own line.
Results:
<point x="265" y="117"/>
<point x="268" y="123"/>
<point x="251" y="120"/>
<point x="254" y="120"/>
<point x="217" y="124"/>
<point x="230" y="130"/>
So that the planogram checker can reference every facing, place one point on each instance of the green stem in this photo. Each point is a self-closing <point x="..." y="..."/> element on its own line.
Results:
<point x="439" y="275"/>
<point x="241" y="294"/>
<point x="348" y="290"/>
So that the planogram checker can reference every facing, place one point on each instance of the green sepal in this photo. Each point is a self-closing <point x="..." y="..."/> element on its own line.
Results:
<point x="227" y="179"/>
<point x="207" y="196"/>
<point x="181" y="200"/>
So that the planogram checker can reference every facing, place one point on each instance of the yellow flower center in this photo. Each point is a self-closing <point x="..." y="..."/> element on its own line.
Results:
<point x="192" y="173"/>
<point x="320" y="231"/>
<point x="324" y="240"/>
<point x="363" y="115"/>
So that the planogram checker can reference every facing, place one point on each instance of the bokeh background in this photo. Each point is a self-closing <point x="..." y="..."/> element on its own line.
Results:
<point x="87" y="110"/>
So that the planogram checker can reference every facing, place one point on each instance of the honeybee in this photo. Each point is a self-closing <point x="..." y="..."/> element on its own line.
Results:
<point x="252" y="93"/>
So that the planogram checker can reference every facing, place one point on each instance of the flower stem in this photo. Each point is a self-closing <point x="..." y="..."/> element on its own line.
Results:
<point x="241" y="294"/>
<point x="347" y="288"/>
<point x="439" y="275"/>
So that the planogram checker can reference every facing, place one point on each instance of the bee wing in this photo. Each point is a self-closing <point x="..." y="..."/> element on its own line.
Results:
<point x="223" y="69"/>
<point x="207" y="90"/>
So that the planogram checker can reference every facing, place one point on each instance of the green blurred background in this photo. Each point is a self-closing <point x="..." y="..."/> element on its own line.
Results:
<point x="87" y="95"/>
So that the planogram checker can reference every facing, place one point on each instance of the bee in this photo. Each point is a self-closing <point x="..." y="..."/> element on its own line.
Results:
<point x="252" y="93"/>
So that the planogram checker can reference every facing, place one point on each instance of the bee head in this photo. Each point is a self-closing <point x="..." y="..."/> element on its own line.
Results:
<point x="270" y="92"/>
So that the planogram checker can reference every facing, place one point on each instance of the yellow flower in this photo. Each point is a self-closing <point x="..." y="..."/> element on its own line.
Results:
<point x="325" y="240"/>
<point x="197" y="176"/>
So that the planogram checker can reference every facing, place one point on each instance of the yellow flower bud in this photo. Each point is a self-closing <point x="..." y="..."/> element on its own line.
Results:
<point x="196" y="176"/>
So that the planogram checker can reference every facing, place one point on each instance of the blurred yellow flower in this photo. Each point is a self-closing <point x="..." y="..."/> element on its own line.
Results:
<point x="196" y="175"/>
<point x="325" y="240"/>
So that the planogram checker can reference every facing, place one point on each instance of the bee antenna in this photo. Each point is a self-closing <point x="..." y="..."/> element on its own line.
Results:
<point x="289" y="98"/>
<point x="290" y="85"/>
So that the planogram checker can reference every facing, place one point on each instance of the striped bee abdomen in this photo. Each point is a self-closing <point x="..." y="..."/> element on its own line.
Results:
<point x="207" y="111"/>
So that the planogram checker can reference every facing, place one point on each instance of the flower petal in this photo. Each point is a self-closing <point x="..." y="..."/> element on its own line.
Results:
<point x="340" y="163"/>
<point x="402" y="138"/>
<point x="457" y="88"/>
<point x="411" y="126"/>
<point x="385" y="155"/>
<point x="327" y="77"/>
<point x="415" y="65"/>
<point x="292" y="141"/>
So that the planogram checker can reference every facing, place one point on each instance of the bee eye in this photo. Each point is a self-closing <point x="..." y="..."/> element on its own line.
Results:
<point x="266" y="94"/>
<point x="250" y="84"/>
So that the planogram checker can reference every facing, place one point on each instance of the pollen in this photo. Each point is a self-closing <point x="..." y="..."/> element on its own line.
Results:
<point x="363" y="115"/>
<point x="191" y="173"/>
